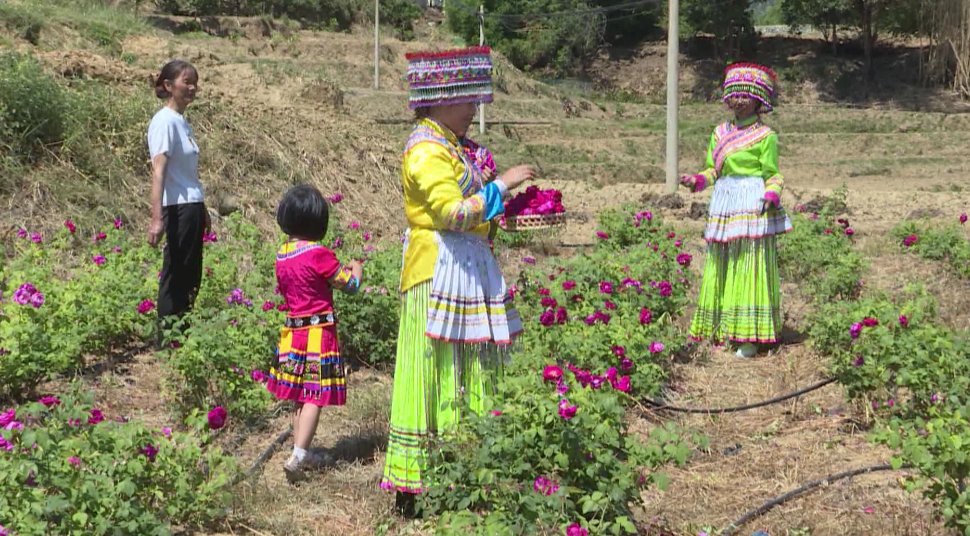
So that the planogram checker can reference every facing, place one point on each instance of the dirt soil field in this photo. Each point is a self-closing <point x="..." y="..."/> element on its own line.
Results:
<point x="306" y="99"/>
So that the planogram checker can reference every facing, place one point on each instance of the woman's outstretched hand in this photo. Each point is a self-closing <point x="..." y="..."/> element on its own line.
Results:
<point x="517" y="176"/>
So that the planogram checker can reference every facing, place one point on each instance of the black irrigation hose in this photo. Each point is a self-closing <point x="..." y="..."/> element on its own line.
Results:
<point x="280" y="439"/>
<point x="713" y="411"/>
<point x="781" y="499"/>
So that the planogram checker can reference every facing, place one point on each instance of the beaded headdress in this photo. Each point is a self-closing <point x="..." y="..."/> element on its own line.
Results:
<point x="449" y="77"/>
<point x="752" y="80"/>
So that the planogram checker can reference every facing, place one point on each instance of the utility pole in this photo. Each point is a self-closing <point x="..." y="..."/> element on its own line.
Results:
<point x="673" y="71"/>
<point x="377" y="44"/>
<point x="481" y="42"/>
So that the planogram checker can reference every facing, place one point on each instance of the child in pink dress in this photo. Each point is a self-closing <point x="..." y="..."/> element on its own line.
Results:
<point x="308" y="368"/>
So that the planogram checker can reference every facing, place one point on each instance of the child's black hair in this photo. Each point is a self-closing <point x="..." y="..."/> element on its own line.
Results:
<point x="303" y="213"/>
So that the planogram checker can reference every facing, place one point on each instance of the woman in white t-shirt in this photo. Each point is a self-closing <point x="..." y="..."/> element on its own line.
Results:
<point x="177" y="198"/>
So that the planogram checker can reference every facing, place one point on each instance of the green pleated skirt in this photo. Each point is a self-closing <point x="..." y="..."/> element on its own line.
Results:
<point x="740" y="296"/>
<point x="435" y="383"/>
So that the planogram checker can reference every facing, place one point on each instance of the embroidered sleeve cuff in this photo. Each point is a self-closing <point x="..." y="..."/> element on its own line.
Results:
<point x="502" y="188"/>
<point x="342" y="278"/>
<point x="772" y="197"/>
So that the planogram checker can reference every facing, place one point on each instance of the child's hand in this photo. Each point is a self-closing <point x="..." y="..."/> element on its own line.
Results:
<point x="356" y="268"/>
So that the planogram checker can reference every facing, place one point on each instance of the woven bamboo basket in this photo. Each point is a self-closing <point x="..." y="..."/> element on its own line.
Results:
<point x="532" y="222"/>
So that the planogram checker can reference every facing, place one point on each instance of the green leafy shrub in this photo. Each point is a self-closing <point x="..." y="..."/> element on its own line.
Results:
<point x="67" y="297"/>
<point x="942" y="243"/>
<point x="532" y="467"/>
<point x="32" y="107"/>
<point x="26" y="24"/>
<point x="614" y="307"/>
<point x="67" y="468"/>
<point x="818" y="252"/>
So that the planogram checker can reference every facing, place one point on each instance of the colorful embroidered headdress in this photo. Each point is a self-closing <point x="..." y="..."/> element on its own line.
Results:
<point x="449" y="77"/>
<point x="752" y="80"/>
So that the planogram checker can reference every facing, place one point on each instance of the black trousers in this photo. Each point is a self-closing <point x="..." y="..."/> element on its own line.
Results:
<point x="182" y="261"/>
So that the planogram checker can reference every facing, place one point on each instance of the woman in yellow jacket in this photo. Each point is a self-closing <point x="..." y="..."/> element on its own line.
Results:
<point x="457" y="322"/>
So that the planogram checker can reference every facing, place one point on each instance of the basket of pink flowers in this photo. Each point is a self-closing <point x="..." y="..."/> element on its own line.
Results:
<point x="534" y="209"/>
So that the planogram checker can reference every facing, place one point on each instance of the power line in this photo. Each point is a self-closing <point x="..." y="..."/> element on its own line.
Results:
<point x="521" y="17"/>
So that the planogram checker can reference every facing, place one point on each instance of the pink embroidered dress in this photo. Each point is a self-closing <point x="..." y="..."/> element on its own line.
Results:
<point x="308" y="367"/>
<point x="740" y="298"/>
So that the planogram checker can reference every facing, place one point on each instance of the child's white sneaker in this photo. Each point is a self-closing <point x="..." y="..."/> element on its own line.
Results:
<point x="293" y="468"/>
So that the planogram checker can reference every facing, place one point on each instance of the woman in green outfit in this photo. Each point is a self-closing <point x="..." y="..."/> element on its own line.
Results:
<point x="456" y="320"/>
<point x="740" y="297"/>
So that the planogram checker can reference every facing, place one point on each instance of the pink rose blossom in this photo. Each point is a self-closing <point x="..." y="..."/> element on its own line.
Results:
<point x="50" y="401"/>
<point x="910" y="240"/>
<point x="71" y="228"/>
<point x="545" y="486"/>
<point x="870" y="322"/>
<point x="149" y="451"/>
<point x="547" y="318"/>
<point x="622" y="384"/>
<point x="562" y="387"/>
<point x="99" y="260"/>
<point x="354" y="225"/>
<point x="656" y="347"/>
<point x="568" y="285"/>
<point x="529" y="260"/>
<point x="335" y="198"/>
<point x="684" y="259"/>
<point x="208" y="238"/>
<point x="167" y="432"/>
<point x="606" y="287"/>
<point x="646" y="316"/>
<point x="338" y="243"/>
<point x="99" y="237"/>
<point x="551" y="373"/>
<point x="21" y="233"/>
<point x="855" y="330"/>
<point x="96" y="416"/>
<point x="495" y="412"/>
<point x="626" y="364"/>
<point x="268" y="306"/>
<point x="576" y="530"/>
<point x="75" y="461"/>
<point x="561" y="316"/>
<point x="146" y="306"/>
<point x="602" y="236"/>
<point x="8" y="417"/>
<point x="36" y="238"/>
<point x="566" y="410"/>
<point x="548" y="301"/>
<point x="217" y="417"/>
<point x="963" y="218"/>
<point x="609" y="305"/>
<point x="618" y="351"/>
<point x="903" y="321"/>
<point x="849" y="231"/>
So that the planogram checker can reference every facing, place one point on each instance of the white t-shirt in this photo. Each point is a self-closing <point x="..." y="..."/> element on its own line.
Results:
<point x="170" y="134"/>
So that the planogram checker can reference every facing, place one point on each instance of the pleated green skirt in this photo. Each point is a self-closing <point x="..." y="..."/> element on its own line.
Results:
<point x="435" y="382"/>
<point x="740" y="297"/>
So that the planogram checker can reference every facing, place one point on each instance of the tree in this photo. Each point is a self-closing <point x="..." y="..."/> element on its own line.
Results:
<point x="728" y="20"/>
<point x="552" y="34"/>
<point x="826" y="15"/>
<point x="868" y="16"/>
